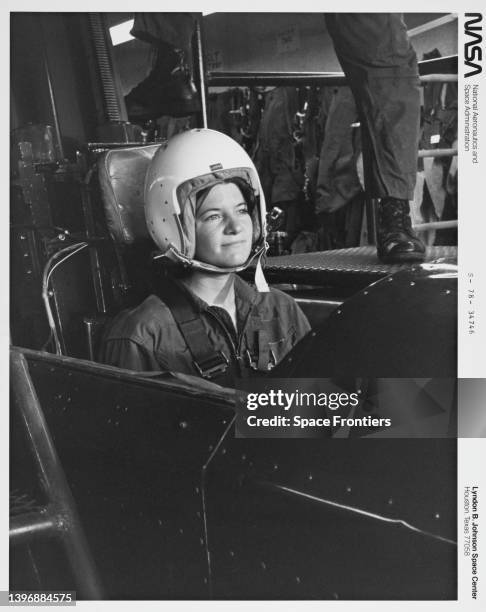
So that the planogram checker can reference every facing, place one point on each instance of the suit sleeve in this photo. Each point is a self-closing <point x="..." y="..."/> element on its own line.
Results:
<point x="128" y="354"/>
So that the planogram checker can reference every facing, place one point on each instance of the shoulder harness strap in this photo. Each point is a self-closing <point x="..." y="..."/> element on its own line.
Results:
<point x="207" y="361"/>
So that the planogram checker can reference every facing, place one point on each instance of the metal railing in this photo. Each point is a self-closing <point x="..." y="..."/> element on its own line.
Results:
<point x="275" y="79"/>
<point x="59" y="516"/>
<point x="442" y="69"/>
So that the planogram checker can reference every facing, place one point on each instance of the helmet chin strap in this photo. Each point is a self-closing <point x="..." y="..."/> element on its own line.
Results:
<point x="260" y="281"/>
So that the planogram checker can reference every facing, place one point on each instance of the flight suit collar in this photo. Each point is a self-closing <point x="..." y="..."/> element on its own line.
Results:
<point x="245" y="298"/>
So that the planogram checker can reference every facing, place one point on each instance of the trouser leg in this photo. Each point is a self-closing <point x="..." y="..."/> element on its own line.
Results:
<point x="173" y="29"/>
<point x="169" y="88"/>
<point x="381" y="65"/>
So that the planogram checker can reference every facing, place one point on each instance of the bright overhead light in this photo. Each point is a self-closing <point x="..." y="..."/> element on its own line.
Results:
<point x="121" y="32"/>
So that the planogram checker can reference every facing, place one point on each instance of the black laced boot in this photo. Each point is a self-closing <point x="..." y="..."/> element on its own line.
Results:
<point x="396" y="241"/>
<point x="167" y="90"/>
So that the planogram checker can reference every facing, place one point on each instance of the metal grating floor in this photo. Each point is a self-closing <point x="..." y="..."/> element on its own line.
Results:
<point x="356" y="267"/>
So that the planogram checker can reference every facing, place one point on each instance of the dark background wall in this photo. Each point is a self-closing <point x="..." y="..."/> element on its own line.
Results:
<point x="58" y="43"/>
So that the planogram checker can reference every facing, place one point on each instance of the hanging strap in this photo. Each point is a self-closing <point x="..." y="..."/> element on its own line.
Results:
<point x="207" y="361"/>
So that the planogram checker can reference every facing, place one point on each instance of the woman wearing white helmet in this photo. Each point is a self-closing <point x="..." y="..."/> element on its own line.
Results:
<point x="205" y="210"/>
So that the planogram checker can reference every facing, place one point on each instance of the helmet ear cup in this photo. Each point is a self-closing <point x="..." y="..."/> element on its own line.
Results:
<point x="192" y="161"/>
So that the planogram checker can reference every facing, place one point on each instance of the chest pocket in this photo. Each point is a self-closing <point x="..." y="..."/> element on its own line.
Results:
<point x="270" y="346"/>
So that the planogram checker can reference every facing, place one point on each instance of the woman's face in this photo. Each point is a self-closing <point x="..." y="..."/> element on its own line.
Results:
<point x="224" y="228"/>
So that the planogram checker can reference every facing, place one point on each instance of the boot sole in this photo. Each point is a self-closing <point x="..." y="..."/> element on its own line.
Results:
<point x="402" y="258"/>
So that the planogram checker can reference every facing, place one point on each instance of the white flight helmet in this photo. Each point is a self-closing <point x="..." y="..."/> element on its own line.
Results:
<point x="193" y="161"/>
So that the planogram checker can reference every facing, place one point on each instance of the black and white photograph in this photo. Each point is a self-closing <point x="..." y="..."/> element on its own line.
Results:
<point x="236" y="334"/>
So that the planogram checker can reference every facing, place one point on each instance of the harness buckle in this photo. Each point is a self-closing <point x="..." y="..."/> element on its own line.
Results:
<point x="216" y="364"/>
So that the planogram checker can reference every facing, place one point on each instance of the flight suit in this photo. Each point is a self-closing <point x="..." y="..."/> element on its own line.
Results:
<point x="279" y="168"/>
<point x="147" y="338"/>
<point x="336" y="180"/>
<point x="280" y="173"/>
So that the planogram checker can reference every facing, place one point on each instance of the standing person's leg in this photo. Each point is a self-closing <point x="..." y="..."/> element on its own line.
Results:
<point x="169" y="88"/>
<point x="380" y="63"/>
